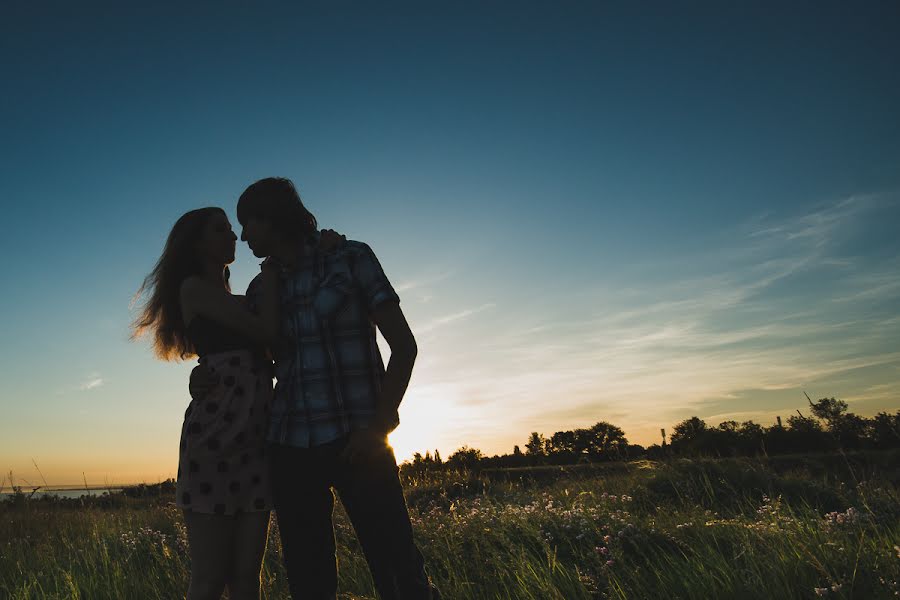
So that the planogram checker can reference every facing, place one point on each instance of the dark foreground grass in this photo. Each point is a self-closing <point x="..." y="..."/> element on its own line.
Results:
<point x="683" y="529"/>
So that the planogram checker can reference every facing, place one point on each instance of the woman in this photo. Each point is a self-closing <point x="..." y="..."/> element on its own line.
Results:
<point x="222" y="484"/>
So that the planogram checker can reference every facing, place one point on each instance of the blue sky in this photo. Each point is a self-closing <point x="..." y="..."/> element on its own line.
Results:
<point x="597" y="211"/>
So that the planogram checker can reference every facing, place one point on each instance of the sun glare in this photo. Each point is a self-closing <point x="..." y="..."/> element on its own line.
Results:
<point x="424" y="425"/>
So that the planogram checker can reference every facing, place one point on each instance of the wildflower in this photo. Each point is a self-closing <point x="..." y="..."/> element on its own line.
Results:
<point x="850" y="516"/>
<point x="836" y="587"/>
<point x="610" y="563"/>
<point x="820" y="591"/>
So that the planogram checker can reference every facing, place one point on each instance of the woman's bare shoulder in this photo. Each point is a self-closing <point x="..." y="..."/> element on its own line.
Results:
<point x="192" y="286"/>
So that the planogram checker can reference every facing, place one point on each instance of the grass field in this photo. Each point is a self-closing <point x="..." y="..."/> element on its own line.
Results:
<point x="792" y="527"/>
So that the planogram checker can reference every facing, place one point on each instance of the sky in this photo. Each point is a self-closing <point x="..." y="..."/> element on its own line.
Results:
<point x="617" y="211"/>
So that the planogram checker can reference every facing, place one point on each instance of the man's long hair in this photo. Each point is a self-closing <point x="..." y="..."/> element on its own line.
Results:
<point x="275" y="199"/>
<point x="160" y="311"/>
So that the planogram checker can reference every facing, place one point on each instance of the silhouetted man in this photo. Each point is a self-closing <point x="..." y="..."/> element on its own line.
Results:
<point x="334" y="402"/>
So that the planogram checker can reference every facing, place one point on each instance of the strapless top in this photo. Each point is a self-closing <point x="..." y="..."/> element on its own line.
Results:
<point x="210" y="337"/>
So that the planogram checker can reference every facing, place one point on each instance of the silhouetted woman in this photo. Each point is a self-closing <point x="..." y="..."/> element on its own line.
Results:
<point x="222" y="485"/>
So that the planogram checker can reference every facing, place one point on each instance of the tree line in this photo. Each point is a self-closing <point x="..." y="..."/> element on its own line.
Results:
<point x="829" y="426"/>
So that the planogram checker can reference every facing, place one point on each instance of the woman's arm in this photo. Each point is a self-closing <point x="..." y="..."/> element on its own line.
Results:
<point x="200" y="298"/>
<point x="330" y="240"/>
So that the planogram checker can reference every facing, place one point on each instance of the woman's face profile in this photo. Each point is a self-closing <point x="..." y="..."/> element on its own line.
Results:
<point x="217" y="240"/>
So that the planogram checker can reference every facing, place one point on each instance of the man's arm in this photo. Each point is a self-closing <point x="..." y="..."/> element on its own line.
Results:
<point x="390" y="320"/>
<point x="384" y="310"/>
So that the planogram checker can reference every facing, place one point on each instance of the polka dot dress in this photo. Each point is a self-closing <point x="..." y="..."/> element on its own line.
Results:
<point x="222" y="463"/>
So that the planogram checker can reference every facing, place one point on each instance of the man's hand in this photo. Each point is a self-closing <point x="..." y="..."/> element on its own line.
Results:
<point x="365" y="444"/>
<point x="202" y="382"/>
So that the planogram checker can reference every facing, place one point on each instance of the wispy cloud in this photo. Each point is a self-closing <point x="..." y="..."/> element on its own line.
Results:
<point x="93" y="381"/>
<point x="423" y="281"/>
<point x="447" y="319"/>
<point x="780" y="306"/>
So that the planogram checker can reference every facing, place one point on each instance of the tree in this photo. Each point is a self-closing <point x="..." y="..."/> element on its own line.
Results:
<point x="606" y="440"/>
<point x="803" y="425"/>
<point x="465" y="458"/>
<point x="851" y="431"/>
<point x="751" y="437"/>
<point x="885" y="430"/>
<point x="581" y="442"/>
<point x="724" y="440"/>
<point x="687" y="431"/>
<point x="562" y="443"/>
<point x="806" y="433"/>
<point x="728" y="426"/>
<point x="828" y="410"/>
<point x="848" y="429"/>
<point x="751" y="430"/>
<point x="535" y="445"/>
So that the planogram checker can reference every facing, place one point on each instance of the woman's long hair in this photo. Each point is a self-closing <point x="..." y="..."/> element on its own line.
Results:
<point x="160" y="311"/>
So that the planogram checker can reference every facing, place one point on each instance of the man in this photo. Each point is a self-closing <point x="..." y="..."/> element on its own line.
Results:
<point x="334" y="402"/>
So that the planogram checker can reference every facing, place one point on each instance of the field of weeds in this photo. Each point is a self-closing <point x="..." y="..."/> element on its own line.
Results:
<point x="795" y="527"/>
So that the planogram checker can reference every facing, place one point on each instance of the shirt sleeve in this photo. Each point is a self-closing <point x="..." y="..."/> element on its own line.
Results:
<point x="371" y="278"/>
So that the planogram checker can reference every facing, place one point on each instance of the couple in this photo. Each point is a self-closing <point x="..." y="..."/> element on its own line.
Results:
<point x="246" y="448"/>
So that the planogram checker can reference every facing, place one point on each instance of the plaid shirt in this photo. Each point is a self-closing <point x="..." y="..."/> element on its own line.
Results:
<point x="327" y="364"/>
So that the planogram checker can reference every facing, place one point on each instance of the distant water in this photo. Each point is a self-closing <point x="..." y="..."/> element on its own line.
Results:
<point x="65" y="493"/>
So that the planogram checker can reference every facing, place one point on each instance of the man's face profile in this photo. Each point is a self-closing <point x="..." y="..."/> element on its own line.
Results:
<point x="258" y="234"/>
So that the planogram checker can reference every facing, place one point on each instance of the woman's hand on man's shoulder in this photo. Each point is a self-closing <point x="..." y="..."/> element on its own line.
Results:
<point x="331" y="241"/>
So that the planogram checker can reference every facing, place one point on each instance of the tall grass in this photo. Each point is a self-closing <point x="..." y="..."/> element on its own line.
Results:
<point x="685" y="529"/>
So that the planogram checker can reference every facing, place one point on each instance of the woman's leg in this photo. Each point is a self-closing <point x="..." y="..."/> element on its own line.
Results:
<point x="251" y="530"/>
<point x="210" y="538"/>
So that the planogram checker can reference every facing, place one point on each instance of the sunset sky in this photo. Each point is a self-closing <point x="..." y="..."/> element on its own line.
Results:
<point x="619" y="211"/>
